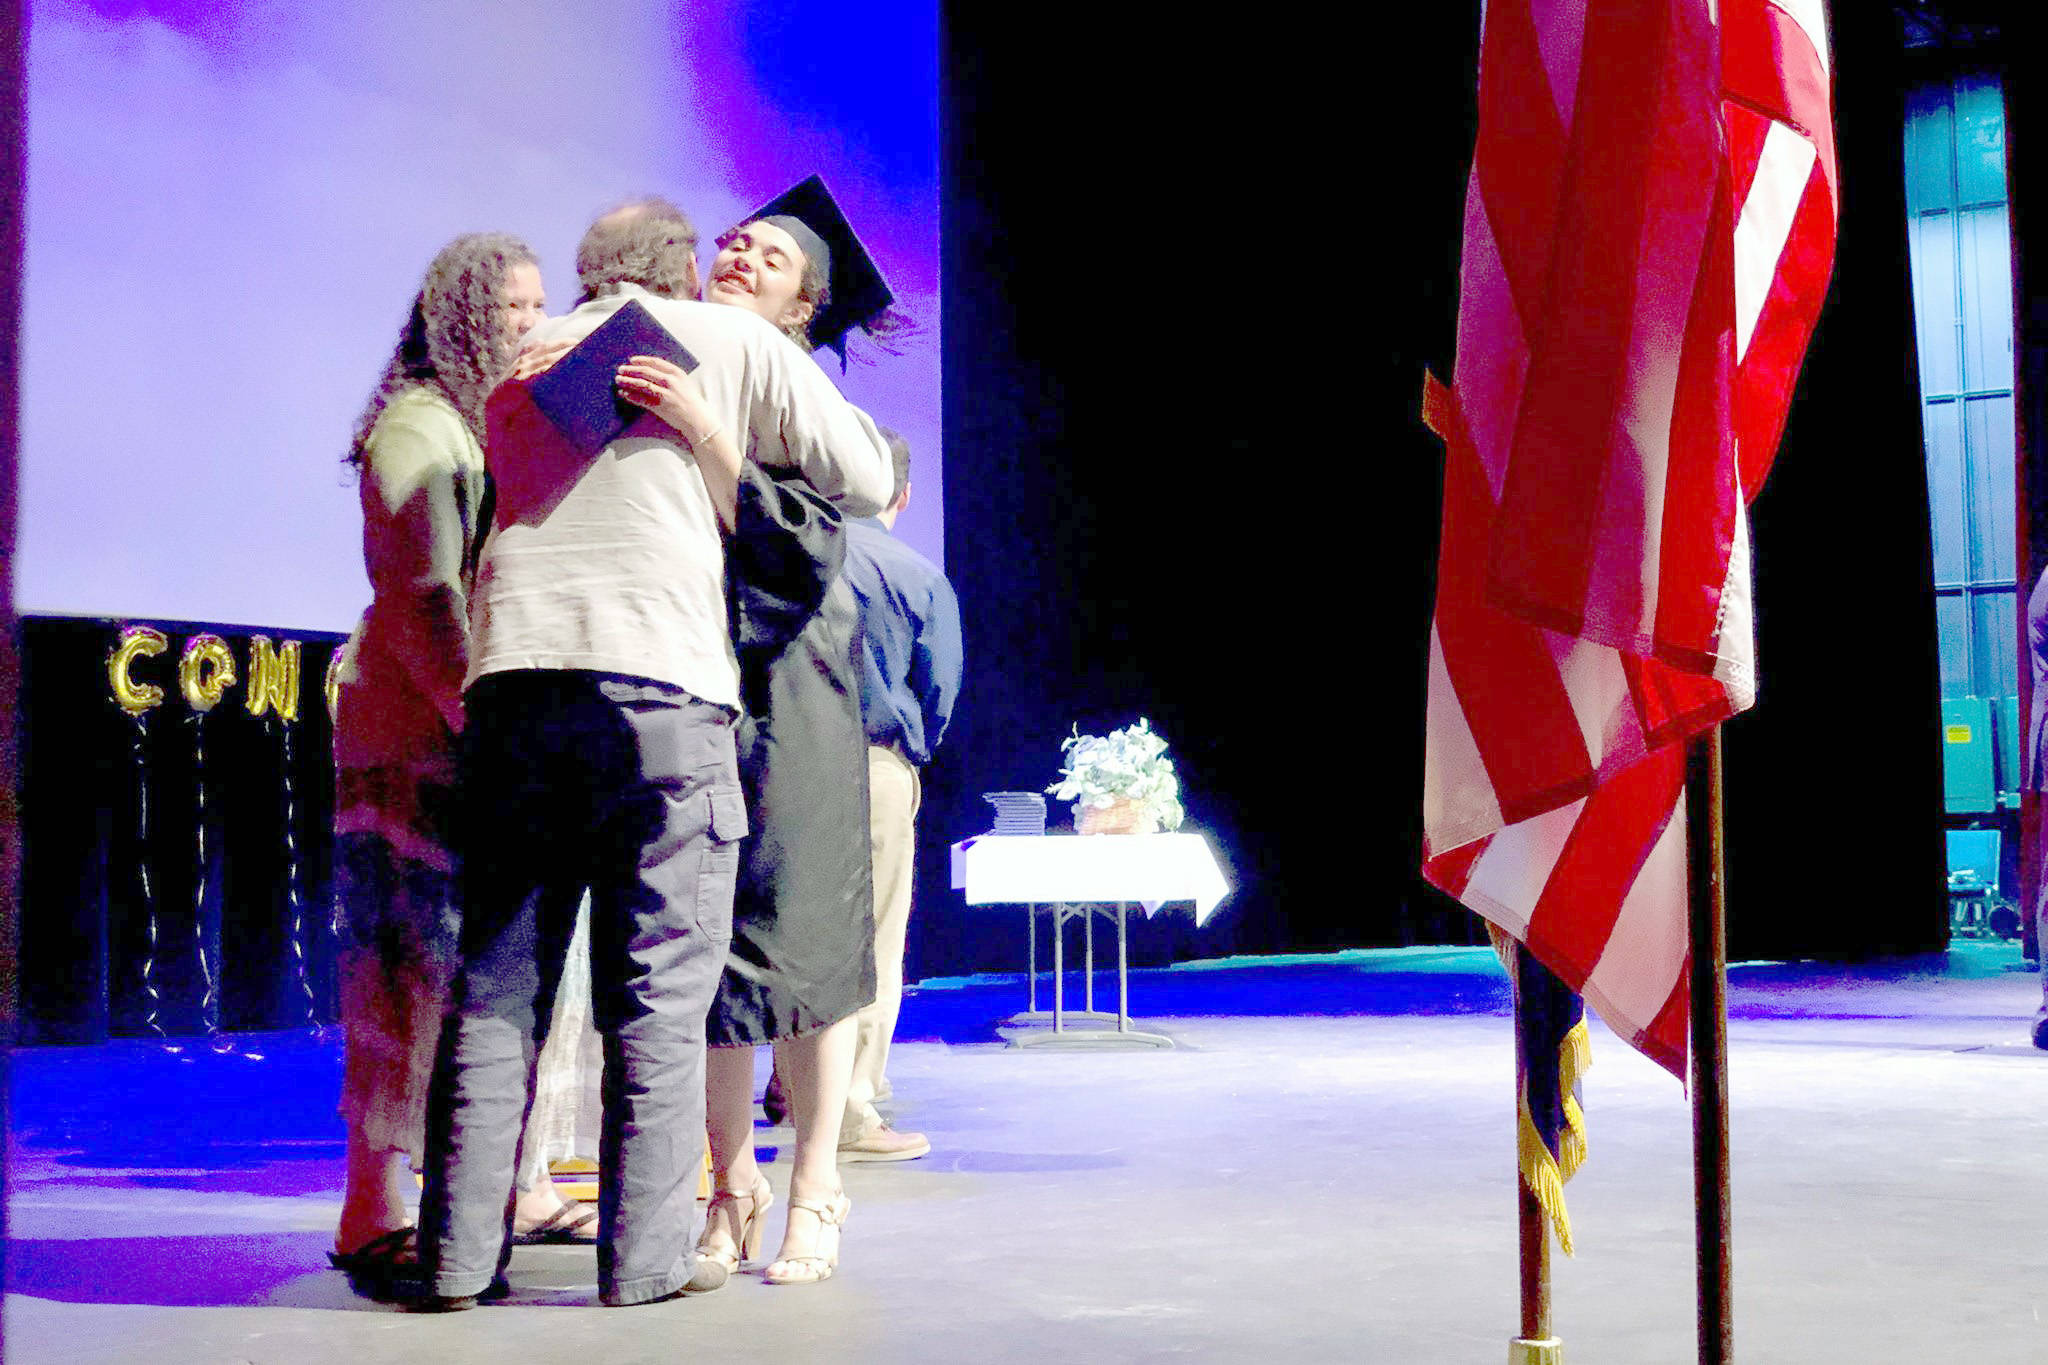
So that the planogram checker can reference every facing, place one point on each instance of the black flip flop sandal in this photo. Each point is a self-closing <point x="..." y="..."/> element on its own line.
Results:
<point x="573" y="1224"/>
<point x="383" y="1268"/>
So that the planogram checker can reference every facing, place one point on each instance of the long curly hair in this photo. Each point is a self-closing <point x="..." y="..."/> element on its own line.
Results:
<point x="453" y="340"/>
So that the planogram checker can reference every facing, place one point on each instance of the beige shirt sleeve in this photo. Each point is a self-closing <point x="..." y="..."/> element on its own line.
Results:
<point x="798" y="417"/>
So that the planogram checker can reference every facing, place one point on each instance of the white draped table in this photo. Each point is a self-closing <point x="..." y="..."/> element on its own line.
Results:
<point x="1081" y="876"/>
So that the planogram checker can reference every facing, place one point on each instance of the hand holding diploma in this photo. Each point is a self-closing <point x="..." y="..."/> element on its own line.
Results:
<point x="669" y="392"/>
<point x="576" y="398"/>
<point x="666" y="390"/>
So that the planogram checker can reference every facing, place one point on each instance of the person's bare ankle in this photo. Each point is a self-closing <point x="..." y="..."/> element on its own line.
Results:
<point x="812" y="1188"/>
<point x="352" y="1233"/>
<point x="538" y="1204"/>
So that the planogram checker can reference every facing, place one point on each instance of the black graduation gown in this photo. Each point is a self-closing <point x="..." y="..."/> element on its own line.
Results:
<point x="803" y="940"/>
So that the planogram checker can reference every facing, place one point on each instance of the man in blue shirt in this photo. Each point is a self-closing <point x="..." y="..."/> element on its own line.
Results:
<point x="910" y="676"/>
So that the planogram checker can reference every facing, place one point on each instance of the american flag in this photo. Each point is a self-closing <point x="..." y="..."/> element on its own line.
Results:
<point x="1649" y="230"/>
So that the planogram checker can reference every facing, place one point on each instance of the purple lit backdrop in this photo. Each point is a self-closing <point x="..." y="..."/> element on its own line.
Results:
<point x="230" y="203"/>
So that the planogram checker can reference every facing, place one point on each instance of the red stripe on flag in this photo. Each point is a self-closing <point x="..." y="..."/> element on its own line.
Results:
<point x="1449" y="872"/>
<point x="1770" y="367"/>
<point x="1700" y="506"/>
<point x="1673" y="704"/>
<point x="1500" y="668"/>
<point x="1519" y="158"/>
<point x="1769" y="63"/>
<point x="1747" y="130"/>
<point x="1618" y="826"/>
<point x="1625" y="202"/>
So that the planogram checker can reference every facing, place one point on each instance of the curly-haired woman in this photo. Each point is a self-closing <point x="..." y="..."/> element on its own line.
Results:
<point x="418" y="453"/>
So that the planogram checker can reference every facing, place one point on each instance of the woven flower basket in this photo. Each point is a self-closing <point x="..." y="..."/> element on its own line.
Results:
<point x="1118" y="817"/>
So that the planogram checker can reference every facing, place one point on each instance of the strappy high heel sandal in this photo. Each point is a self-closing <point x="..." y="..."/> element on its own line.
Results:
<point x="746" y="1231"/>
<point x="824" y="1258"/>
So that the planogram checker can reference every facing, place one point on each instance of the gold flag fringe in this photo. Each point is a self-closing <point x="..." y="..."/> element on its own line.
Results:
<point x="1541" y="1172"/>
<point x="1544" y="1174"/>
<point x="1574" y="1060"/>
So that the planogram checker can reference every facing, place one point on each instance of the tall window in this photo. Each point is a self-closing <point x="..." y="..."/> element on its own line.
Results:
<point x="1961" y="245"/>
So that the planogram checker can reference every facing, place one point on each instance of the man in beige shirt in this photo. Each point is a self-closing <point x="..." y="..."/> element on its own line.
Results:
<point x="599" y="754"/>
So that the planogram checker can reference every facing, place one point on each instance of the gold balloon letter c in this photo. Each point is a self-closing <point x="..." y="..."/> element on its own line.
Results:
<point x="133" y="697"/>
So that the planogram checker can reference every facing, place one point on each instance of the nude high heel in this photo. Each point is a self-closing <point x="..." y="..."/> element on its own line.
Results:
<point x="824" y="1258"/>
<point x="746" y="1231"/>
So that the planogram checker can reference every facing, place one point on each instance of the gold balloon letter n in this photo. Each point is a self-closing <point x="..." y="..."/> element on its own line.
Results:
<point x="274" y="678"/>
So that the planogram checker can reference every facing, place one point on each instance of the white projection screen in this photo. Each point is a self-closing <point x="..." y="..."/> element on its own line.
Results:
<point x="230" y="204"/>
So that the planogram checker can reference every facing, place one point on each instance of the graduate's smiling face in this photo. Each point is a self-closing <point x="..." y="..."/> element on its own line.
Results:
<point x="760" y="267"/>
<point x="525" y="302"/>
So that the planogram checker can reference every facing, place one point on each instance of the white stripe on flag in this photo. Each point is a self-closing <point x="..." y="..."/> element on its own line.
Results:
<point x="1812" y="16"/>
<point x="1458" y="803"/>
<point x="1516" y="865"/>
<point x="1782" y="171"/>
<point x="1735" y="631"/>
<point x="1598" y="687"/>
<point x="1645" y="953"/>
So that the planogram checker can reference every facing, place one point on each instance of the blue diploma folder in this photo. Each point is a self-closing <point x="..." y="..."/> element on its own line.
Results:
<point x="579" y="393"/>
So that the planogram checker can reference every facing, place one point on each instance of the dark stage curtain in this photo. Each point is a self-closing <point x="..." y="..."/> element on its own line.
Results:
<point x="1189" y="300"/>
<point x="2026" y="123"/>
<point x="1835" y="783"/>
<point x="178" y="864"/>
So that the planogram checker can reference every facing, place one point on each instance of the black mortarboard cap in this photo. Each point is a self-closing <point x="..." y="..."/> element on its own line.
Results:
<point x="580" y="395"/>
<point x="856" y="292"/>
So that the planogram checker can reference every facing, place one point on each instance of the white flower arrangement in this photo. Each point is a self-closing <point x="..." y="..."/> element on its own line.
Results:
<point x="1124" y="765"/>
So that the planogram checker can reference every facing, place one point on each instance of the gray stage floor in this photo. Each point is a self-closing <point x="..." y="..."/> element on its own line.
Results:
<point x="1278" y="1187"/>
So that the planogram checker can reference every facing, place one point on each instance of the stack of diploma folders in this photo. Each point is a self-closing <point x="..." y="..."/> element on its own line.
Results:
<point x="1017" y="812"/>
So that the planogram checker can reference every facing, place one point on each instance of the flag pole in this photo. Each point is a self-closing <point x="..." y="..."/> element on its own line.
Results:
<point x="1536" y="1345"/>
<point x="1709" y="1050"/>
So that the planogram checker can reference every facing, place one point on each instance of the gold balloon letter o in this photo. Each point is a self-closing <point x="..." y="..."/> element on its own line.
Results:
<point x="206" y="670"/>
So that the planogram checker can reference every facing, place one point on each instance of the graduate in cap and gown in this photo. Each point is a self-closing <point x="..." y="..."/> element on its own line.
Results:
<point x="802" y="963"/>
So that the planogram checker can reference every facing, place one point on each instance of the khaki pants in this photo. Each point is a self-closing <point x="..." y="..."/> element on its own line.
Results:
<point x="893" y="795"/>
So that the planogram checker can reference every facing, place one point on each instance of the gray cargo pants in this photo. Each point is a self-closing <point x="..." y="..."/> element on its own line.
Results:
<point x="629" y="788"/>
